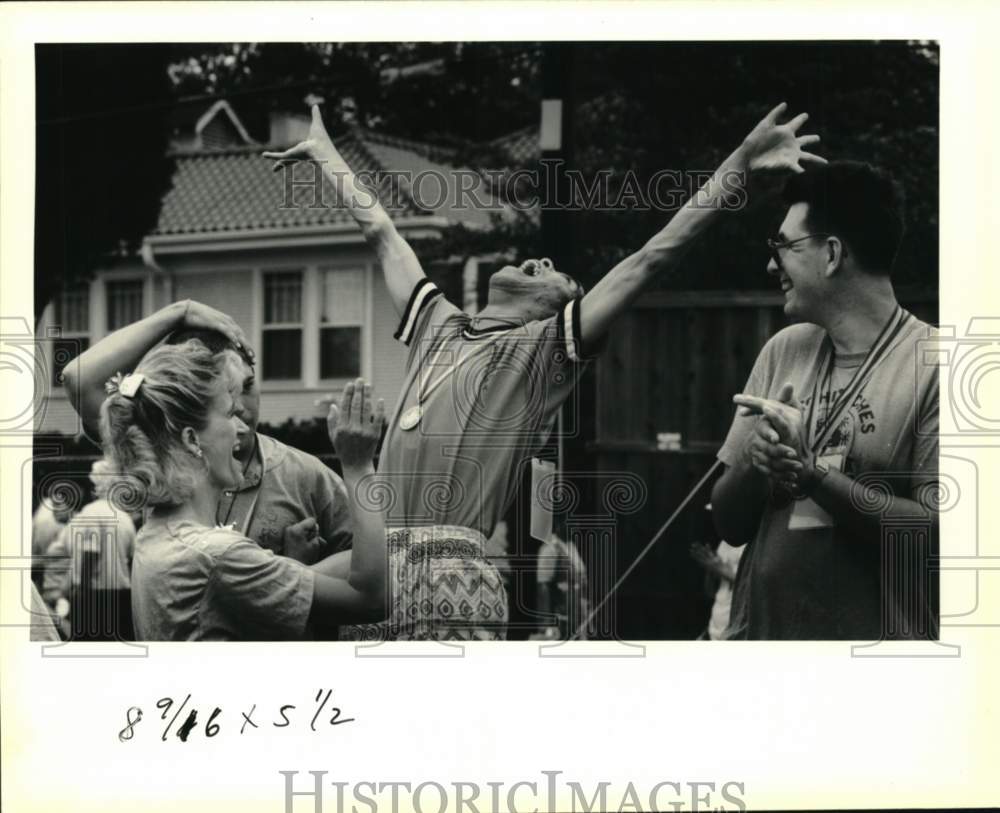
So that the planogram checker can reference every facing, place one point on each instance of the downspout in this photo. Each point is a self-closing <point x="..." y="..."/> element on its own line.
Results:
<point x="149" y="260"/>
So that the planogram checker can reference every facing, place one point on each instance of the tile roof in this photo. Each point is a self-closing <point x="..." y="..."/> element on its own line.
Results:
<point x="235" y="190"/>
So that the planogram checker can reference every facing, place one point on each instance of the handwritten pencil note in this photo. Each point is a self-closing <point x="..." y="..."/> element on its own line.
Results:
<point x="316" y="714"/>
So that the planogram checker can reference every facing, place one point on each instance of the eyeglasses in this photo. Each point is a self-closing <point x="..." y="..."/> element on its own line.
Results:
<point x="774" y="246"/>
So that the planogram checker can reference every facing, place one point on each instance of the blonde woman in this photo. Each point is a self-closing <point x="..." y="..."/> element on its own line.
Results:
<point x="172" y="427"/>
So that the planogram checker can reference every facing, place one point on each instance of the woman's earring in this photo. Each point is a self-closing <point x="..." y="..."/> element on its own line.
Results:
<point x="198" y="452"/>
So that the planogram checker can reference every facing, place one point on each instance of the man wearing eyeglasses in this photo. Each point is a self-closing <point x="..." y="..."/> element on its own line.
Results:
<point x="832" y="402"/>
<point x="482" y="393"/>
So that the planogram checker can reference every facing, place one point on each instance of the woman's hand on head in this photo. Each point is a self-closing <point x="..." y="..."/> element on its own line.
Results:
<point x="198" y="316"/>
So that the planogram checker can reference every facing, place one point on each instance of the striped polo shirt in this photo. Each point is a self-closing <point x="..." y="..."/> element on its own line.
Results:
<point x="482" y="421"/>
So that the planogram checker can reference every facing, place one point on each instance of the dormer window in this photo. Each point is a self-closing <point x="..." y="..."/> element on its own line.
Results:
<point x="220" y="129"/>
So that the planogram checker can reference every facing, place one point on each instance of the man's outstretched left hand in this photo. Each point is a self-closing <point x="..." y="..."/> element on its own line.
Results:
<point x="777" y="148"/>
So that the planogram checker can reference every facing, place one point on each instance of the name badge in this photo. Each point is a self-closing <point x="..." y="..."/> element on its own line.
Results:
<point x="541" y="511"/>
<point x="806" y="514"/>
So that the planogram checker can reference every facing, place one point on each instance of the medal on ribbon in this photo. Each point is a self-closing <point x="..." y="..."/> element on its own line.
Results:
<point x="411" y="417"/>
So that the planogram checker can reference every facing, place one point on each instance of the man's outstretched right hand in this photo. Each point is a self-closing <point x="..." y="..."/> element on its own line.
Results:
<point x="316" y="146"/>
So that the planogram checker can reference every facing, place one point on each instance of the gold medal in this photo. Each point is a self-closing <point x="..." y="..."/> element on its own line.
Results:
<point x="410" y="418"/>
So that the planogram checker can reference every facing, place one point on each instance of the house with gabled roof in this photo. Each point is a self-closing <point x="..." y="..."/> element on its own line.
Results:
<point x="274" y="252"/>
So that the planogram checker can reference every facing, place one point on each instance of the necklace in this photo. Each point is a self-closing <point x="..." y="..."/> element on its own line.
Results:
<point x="232" y="502"/>
<point x="412" y="416"/>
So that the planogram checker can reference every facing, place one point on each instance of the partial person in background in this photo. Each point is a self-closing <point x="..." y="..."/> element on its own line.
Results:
<point x="42" y="627"/>
<point x="562" y="590"/>
<point x="87" y="577"/>
<point x="497" y="550"/>
<point x="722" y="564"/>
<point x="46" y="524"/>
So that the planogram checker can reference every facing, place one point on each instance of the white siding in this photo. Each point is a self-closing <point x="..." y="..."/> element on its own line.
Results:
<point x="228" y="291"/>
<point x="226" y="281"/>
<point x="387" y="365"/>
<point x="53" y="412"/>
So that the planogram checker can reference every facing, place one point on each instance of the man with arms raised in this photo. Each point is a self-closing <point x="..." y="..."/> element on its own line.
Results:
<point x="481" y="393"/>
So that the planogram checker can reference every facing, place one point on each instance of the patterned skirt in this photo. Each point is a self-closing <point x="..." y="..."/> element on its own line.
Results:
<point x="441" y="587"/>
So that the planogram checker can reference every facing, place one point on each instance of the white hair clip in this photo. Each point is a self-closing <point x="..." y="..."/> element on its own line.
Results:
<point x="126" y="385"/>
<point x="130" y="384"/>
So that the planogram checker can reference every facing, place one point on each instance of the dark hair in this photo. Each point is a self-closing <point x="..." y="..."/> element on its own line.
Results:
<point x="212" y="339"/>
<point x="855" y="202"/>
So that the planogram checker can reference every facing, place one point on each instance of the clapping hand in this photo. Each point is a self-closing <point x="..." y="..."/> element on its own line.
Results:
<point x="778" y="448"/>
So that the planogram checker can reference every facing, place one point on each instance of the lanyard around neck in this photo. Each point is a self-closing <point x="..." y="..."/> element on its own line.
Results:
<point x="236" y="493"/>
<point x="876" y="353"/>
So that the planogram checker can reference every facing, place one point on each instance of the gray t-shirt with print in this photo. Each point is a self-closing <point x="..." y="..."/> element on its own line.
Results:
<point x="826" y="583"/>
<point x="283" y="486"/>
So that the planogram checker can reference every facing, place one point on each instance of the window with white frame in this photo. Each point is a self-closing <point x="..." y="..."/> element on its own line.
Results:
<point x="341" y="319"/>
<point x="282" y="326"/>
<point x="71" y="315"/>
<point x="124" y="302"/>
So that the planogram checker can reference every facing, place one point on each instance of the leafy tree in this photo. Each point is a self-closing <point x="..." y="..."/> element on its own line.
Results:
<point x="428" y="91"/>
<point x="683" y="105"/>
<point x="639" y="108"/>
<point x="101" y="163"/>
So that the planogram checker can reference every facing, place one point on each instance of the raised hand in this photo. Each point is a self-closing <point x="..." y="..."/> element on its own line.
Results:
<point x="355" y="427"/>
<point x="777" y="148"/>
<point x="317" y="145"/>
<point x="361" y="201"/>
